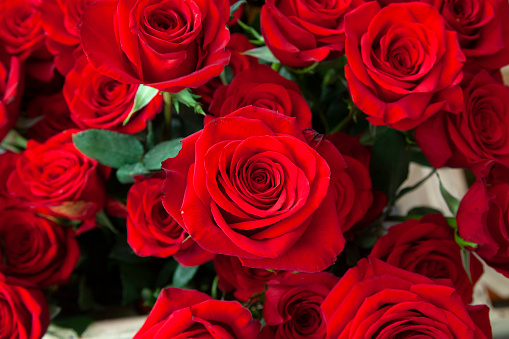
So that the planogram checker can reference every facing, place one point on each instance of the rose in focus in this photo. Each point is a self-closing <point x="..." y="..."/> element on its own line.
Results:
<point x="249" y="185"/>
<point x="191" y="314"/>
<point x="169" y="44"/>
<point x="403" y="65"/>
<point x="377" y="300"/>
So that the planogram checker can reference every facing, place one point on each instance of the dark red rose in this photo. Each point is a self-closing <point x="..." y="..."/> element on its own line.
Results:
<point x="483" y="218"/>
<point x="354" y="193"/>
<point x="427" y="247"/>
<point x="24" y="310"/>
<point x="36" y="249"/>
<point x="98" y="101"/>
<point x="249" y="185"/>
<point x="300" y="33"/>
<point x="238" y="62"/>
<point x="243" y="281"/>
<point x="261" y="86"/>
<point x="54" y="116"/>
<point x="10" y="93"/>
<point x="21" y="32"/>
<point x="292" y="305"/>
<point x="57" y="179"/>
<point x="477" y="135"/>
<point x="60" y="20"/>
<point x="169" y="45"/>
<point x="7" y="166"/>
<point x="152" y="231"/>
<point x="377" y="300"/>
<point x="191" y="314"/>
<point x="403" y="65"/>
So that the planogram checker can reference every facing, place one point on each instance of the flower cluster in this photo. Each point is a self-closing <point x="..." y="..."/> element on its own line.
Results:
<point x="157" y="153"/>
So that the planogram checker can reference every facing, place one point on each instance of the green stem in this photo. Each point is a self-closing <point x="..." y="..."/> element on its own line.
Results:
<point x="13" y="141"/>
<point x="167" y="111"/>
<point x="342" y="123"/>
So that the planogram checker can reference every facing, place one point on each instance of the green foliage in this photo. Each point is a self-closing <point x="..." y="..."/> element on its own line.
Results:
<point x="109" y="148"/>
<point x="183" y="275"/>
<point x="167" y="149"/>
<point x="144" y="95"/>
<point x="262" y="53"/>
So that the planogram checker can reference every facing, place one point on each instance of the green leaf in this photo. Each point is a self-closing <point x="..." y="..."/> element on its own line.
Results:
<point x="465" y="260"/>
<point x="102" y="220"/>
<point x="126" y="173"/>
<point x="411" y="188"/>
<point x="183" y="275"/>
<point x="262" y="53"/>
<point x="452" y="202"/>
<point x="123" y="253"/>
<point x="168" y="149"/>
<point x="78" y="323"/>
<point x="423" y="210"/>
<point x="144" y="95"/>
<point x="109" y="148"/>
<point x="235" y="7"/>
<point x="390" y="158"/>
<point x="134" y="279"/>
<point x="187" y="98"/>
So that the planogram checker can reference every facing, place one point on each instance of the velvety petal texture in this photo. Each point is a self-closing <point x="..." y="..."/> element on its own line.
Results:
<point x="191" y="314"/>
<point x="169" y="44"/>
<point x="403" y="64"/>
<point x="249" y="185"/>
<point x="378" y="300"/>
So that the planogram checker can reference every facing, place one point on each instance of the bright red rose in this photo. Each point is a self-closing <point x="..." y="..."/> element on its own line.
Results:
<point x="10" y="93"/>
<point x="152" y="231"/>
<point x="60" y="20"/>
<point x="483" y="218"/>
<point x="403" y="65"/>
<point x="292" y="305"/>
<point x="36" y="249"/>
<point x="243" y="281"/>
<point x="249" y="185"/>
<point x="54" y="116"/>
<point x="301" y="32"/>
<point x="427" y="247"/>
<point x="98" y="101"/>
<point x="475" y="136"/>
<point x="191" y="314"/>
<point x="354" y="193"/>
<point x="169" y="44"/>
<point x="261" y="86"/>
<point x="377" y="300"/>
<point x="24" y="310"/>
<point x="57" y="179"/>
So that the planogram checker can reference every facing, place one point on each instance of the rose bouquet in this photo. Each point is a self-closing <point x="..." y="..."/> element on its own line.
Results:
<point x="231" y="168"/>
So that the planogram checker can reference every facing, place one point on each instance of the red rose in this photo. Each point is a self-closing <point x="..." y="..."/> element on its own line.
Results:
<point x="57" y="179"/>
<point x="403" y="65"/>
<point x="10" y="93"/>
<point x="191" y="314"/>
<point x="60" y="20"/>
<point x="482" y="27"/>
<point x="152" y="231"/>
<point x="21" y="32"/>
<point x="169" y="44"/>
<point x="249" y="185"/>
<point x="36" y="249"/>
<point x="354" y="193"/>
<point x="477" y="135"/>
<point x="300" y="33"/>
<point x="427" y="247"/>
<point x="54" y="116"/>
<point x="375" y="299"/>
<point x="292" y="305"/>
<point x="24" y="310"/>
<point x="483" y="219"/>
<point x="243" y="281"/>
<point x="261" y="86"/>
<point x="98" y="101"/>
